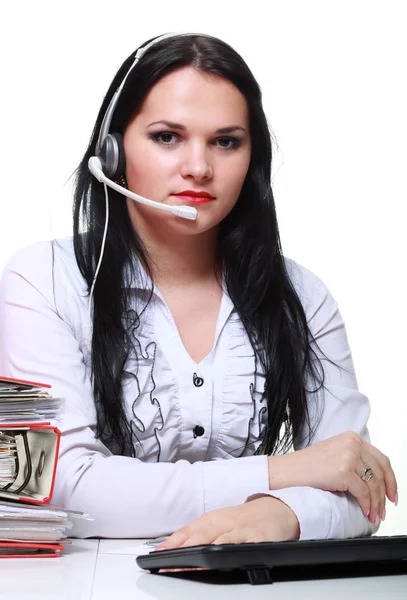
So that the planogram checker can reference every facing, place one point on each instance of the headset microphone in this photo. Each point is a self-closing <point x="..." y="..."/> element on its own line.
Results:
<point x="185" y="212"/>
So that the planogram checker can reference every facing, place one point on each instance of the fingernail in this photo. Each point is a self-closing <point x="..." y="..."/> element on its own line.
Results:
<point x="158" y="548"/>
<point x="376" y="521"/>
<point x="383" y="516"/>
<point x="396" y="499"/>
<point x="366" y="513"/>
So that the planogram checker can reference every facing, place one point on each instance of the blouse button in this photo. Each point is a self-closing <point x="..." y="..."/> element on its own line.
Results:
<point x="198" y="381"/>
<point x="198" y="431"/>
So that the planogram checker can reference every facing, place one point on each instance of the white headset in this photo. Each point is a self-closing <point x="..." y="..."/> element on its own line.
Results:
<point x="109" y="162"/>
<point x="185" y="212"/>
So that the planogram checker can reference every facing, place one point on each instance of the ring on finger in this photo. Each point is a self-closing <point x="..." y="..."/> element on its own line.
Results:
<point x="366" y="474"/>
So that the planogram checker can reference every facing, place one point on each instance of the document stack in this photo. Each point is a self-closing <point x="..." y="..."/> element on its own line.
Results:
<point x="29" y="445"/>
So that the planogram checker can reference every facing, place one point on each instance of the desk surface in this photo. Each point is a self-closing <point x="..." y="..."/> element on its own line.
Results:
<point x="106" y="569"/>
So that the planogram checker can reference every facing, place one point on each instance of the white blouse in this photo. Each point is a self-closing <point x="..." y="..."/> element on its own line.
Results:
<point x="195" y="427"/>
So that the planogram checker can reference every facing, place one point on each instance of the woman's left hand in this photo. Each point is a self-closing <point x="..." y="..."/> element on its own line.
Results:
<point x="265" y="519"/>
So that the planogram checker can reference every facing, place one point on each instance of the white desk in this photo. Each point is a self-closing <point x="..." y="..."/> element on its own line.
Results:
<point x="106" y="569"/>
<point x="68" y="577"/>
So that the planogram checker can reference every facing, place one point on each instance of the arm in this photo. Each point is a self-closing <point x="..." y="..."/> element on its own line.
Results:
<point x="340" y="407"/>
<point x="42" y="306"/>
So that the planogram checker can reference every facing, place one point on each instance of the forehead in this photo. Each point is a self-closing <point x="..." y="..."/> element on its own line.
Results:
<point x="189" y="95"/>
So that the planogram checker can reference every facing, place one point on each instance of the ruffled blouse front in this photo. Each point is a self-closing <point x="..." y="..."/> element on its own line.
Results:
<point x="179" y="409"/>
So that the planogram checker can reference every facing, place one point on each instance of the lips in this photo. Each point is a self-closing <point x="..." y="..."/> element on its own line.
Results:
<point x="195" y="197"/>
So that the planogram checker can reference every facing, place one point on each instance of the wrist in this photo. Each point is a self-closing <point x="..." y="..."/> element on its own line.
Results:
<point x="293" y="525"/>
<point x="287" y="518"/>
<point x="279" y="471"/>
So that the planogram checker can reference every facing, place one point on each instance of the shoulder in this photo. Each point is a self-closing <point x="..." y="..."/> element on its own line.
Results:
<point x="46" y="265"/>
<point x="311" y="290"/>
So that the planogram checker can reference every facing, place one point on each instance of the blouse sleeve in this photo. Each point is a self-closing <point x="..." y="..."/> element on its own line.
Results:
<point x="337" y="408"/>
<point x="42" y="306"/>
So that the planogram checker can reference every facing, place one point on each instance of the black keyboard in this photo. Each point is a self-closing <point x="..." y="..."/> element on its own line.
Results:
<point x="270" y="561"/>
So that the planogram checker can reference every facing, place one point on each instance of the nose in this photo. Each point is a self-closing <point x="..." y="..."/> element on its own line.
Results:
<point x="196" y="163"/>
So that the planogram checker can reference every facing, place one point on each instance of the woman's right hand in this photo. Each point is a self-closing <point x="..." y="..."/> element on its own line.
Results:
<point x="336" y="465"/>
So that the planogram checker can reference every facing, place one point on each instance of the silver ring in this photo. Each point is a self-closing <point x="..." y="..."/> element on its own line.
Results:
<point x="366" y="474"/>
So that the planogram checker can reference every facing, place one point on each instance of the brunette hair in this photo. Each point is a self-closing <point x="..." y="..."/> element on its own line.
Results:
<point x="254" y="268"/>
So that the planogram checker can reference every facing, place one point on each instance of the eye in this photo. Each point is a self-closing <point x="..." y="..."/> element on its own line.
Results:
<point x="228" y="143"/>
<point x="165" y="138"/>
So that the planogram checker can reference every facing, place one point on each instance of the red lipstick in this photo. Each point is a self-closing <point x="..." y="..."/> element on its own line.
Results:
<point x="195" y="197"/>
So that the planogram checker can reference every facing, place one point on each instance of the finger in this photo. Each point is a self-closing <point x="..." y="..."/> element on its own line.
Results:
<point x="245" y="536"/>
<point x="361" y="492"/>
<point x="227" y="538"/>
<point x="377" y="488"/>
<point x="200" y="538"/>
<point x="174" y="540"/>
<point x="388" y="473"/>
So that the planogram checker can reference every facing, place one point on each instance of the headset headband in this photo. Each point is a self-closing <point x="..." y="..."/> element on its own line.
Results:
<point x="107" y="119"/>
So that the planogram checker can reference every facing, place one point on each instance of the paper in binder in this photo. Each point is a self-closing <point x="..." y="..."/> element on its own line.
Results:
<point x="31" y="524"/>
<point x="35" y="454"/>
<point x="29" y="443"/>
<point x="27" y="402"/>
<point x="8" y="450"/>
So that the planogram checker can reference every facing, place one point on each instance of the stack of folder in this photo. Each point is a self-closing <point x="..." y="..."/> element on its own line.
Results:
<point x="29" y="445"/>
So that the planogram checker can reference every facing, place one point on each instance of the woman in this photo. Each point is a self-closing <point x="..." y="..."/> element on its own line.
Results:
<point x="207" y="355"/>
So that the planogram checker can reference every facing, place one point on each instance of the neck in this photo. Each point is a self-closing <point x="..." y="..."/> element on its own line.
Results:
<point x="180" y="260"/>
<point x="184" y="261"/>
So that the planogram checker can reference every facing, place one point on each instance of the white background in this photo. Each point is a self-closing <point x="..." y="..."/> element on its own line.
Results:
<point x="333" y="74"/>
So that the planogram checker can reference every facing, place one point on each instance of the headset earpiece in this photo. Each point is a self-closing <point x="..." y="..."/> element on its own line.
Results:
<point x="112" y="156"/>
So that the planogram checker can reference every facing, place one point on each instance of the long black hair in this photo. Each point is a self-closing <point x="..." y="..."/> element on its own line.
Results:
<point x="253" y="265"/>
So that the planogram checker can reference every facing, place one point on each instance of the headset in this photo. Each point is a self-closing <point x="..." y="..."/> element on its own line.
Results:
<point x="109" y="163"/>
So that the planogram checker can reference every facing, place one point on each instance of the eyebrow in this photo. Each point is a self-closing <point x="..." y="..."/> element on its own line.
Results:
<point x="171" y="125"/>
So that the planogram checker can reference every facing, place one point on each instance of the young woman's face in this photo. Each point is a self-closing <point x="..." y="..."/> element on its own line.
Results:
<point x="191" y="134"/>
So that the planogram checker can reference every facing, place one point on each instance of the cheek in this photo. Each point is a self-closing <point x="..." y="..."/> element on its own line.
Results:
<point x="146" y="170"/>
<point x="234" y="176"/>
